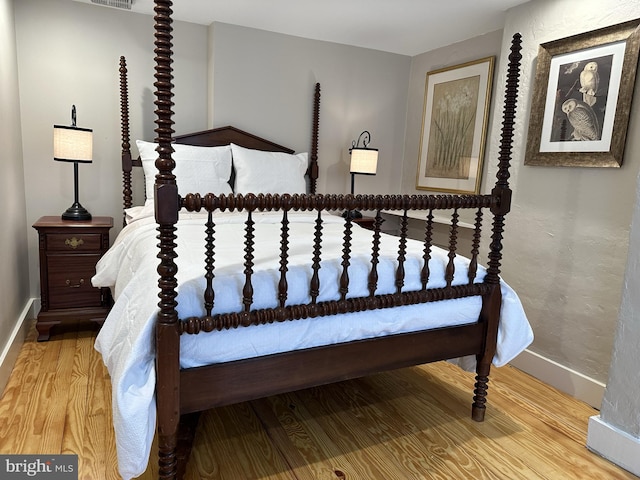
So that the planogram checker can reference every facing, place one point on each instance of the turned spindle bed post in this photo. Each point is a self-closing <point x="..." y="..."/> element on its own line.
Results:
<point x="166" y="213"/>
<point x="501" y="193"/>
<point x="127" y="192"/>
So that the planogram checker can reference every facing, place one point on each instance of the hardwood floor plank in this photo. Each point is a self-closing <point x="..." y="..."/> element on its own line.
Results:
<point x="564" y="409"/>
<point x="26" y="379"/>
<point x="40" y="427"/>
<point x="316" y="442"/>
<point x="294" y="458"/>
<point x="401" y="444"/>
<point x="13" y="407"/>
<point x="408" y="424"/>
<point x="98" y="443"/>
<point x="55" y="408"/>
<point x="231" y="443"/>
<point x="440" y="426"/>
<point x="543" y="443"/>
<point x="78" y="387"/>
<point x="452" y="404"/>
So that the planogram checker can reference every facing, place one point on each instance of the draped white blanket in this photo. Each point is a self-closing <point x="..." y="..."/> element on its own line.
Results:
<point x="126" y="339"/>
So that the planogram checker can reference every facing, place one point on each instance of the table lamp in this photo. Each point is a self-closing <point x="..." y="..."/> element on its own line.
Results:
<point x="73" y="144"/>
<point x="364" y="161"/>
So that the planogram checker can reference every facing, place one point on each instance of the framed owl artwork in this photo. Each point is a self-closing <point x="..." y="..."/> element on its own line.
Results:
<point x="582" y="95"/>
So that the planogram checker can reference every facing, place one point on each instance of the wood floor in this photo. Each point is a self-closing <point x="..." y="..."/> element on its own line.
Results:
<point x="408" y="424"/>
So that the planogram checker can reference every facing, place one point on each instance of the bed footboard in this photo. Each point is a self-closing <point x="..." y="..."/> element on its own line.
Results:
<point x="182" y="392"/>
<point x="322" y="206"/>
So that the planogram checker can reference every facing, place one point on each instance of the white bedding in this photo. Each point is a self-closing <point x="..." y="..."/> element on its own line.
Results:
<point x="126" y="339"/>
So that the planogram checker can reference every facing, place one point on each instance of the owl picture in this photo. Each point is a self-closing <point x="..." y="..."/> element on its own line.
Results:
<point x="589" y="80"/>
<point x="583" y="120"/>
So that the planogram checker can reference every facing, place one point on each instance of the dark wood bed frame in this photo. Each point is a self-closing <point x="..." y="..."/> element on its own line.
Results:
<point x="181" y="393"/>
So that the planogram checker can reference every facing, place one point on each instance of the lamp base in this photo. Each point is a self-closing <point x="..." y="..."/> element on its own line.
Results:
<point x="351" y="214"/>
<point x="76" y="212"/>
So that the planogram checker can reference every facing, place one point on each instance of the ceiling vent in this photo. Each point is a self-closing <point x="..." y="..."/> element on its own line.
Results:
<point x="126" y="4"/>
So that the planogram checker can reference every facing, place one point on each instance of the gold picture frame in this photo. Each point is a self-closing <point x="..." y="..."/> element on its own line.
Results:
<point x="582" y="98"/>
<point x="454" y="127"/>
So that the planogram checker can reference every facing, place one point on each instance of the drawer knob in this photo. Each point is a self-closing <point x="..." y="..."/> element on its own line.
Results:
<point x="76" y="285"/>
<point x="74" y="242"/>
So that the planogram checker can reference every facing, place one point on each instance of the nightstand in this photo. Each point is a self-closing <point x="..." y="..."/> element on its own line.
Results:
<point x="69" y="251"/>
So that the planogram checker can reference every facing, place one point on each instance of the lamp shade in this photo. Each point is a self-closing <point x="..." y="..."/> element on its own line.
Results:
<point x="72" y="144"/>
<point x="364" y="161"/>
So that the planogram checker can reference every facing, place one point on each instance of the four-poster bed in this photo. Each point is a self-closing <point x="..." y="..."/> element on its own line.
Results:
<point x="257" y="290"/>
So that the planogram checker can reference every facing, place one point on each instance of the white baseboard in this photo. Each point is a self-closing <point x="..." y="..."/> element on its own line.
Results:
<point x="14" y="342"/>
<point x="563" y="378"/>
<point x="613" y="444"/>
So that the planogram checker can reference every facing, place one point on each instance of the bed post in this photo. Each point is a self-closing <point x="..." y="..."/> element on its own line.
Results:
<point x="166" y="212"/>
<point x="313" y="159"/>
<point x="127" y="193"/>
<point x="501" y="193"/>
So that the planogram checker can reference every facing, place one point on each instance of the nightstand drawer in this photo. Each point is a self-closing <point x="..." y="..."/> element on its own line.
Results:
<point x="68" y="242"/>
<point x="70" y="281"/>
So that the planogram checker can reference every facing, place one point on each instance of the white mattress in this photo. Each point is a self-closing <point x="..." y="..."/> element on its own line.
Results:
<point x="126" y="339"/>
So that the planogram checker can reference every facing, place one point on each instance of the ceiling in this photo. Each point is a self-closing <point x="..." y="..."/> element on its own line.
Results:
<point x="407" y="27"/>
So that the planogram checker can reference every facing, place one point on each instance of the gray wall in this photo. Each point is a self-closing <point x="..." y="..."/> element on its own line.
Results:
<point x="269" y="92"/>
<point x="567" y="234"/>
<point x="14" y="274"/>
<point x="615" y="433"/>
<point x="621" y="405"/>
<point x="68" y="53"/>
<point x="264" y="82"/>
<point x="572" y="222"/>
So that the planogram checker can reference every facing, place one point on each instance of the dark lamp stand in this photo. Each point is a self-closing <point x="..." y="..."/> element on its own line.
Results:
<point x="76" y="211"/>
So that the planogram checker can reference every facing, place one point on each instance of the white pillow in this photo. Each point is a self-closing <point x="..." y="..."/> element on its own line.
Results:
<point x="198" y="169"/>
<point x="268" y="172"/>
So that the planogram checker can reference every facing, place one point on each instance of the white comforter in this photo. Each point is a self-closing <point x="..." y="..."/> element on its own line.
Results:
<point x="126" y="339"/>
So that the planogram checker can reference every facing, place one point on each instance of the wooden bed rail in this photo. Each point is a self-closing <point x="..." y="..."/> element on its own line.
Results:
<point x="324" y="205"/>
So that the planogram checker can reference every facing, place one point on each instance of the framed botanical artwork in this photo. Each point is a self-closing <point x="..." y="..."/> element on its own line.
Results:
<point x="582" y="98"/>
<point x="454" y="127"/>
